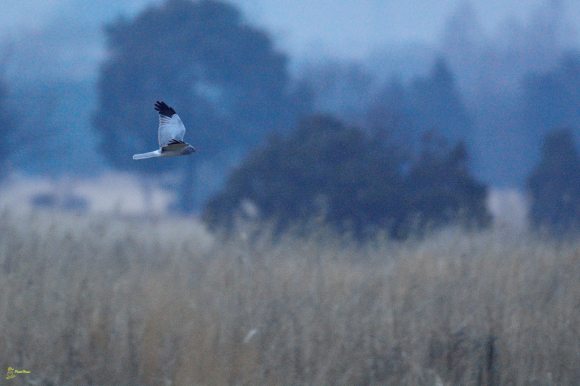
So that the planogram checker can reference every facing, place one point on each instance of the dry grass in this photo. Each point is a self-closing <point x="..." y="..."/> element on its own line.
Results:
<point x="111" y="302"/>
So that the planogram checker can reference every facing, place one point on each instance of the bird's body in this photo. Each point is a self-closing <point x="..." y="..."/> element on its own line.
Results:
<point x="171" y="132"/>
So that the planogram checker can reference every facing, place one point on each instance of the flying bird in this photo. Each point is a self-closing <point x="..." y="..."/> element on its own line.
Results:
<point x="171" y="131"/>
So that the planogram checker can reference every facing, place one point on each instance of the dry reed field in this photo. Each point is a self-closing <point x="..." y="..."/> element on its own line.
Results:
<point x="109" y="301"/>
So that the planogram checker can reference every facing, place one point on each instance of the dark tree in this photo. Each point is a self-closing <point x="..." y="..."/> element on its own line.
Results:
<point x="392" y="111"/>
<point x="344" y="177"/>
<point x="554" y="184"/>
<point x="431" y="103"/>
<point x="222" y="76"/>
<point x="438" y="104"/>
<point x="553" y="99"/>
<point x="440" y="189"/>
<point x="324" y="170"/>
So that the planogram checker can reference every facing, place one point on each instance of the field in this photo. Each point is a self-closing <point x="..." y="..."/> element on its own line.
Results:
<point x="104" y="300"/>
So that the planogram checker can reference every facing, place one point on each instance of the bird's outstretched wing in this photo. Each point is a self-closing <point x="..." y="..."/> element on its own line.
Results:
<point x="170" y="126"/>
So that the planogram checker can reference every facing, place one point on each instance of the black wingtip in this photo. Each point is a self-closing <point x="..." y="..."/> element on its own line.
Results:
<point x="164" y="109"/>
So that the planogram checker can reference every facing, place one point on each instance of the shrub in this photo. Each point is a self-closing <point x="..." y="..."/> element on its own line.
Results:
<point x="554" y="184"/>
<point x="440" y="190"/>
<point x="326" y="172"/>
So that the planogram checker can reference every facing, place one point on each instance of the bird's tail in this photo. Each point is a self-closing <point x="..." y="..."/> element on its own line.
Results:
<point x="151" y="154"/>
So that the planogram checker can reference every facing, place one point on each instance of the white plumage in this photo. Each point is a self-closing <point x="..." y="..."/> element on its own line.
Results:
<point x="171" y="132"/>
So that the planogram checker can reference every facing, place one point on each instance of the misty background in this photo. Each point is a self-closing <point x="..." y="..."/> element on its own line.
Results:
<point x="498" y="75"/>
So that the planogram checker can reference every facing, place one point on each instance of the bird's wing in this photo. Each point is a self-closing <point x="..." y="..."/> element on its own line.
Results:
<point x="170" y="126"/>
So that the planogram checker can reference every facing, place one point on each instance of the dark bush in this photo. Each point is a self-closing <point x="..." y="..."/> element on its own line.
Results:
<point x="341" y="176"/>
<point x="325" y="170"/>
<point x="554" y="184"/>
<point x="440" y="191"/>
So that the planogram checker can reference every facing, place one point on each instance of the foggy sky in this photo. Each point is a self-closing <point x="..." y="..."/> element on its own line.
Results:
<point x="313" y="29"/>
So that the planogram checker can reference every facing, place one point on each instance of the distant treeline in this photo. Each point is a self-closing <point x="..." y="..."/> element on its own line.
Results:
<point x="403" y="166"/>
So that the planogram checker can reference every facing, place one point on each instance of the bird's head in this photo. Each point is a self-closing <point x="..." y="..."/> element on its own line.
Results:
<point x="188" y="150"/>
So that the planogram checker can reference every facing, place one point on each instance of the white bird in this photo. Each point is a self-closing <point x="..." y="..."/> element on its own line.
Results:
<point x="171" y="132"/>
